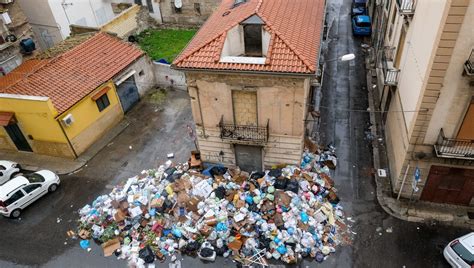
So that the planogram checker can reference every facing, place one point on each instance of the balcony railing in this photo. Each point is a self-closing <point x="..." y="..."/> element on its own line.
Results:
<point x="243" y="133"/>
<point x="390" y="73"/>
<point x="454" y="148"/>
<point x="406" y="7"/>
<point x="469" y="64"/>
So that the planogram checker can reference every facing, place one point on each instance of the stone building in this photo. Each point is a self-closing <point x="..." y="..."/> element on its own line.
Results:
<point x="14" y="28"/>
<point x="249" y="72"/>
<point x="425" y="85"/>
<point x="194" y="12"/>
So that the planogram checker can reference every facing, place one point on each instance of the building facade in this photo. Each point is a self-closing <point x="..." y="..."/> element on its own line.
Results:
<point x="64" y="101"/>
<point x="50" y="19"/>
<point x="249" y="78"/>
<point x="424" y="60"/>
<point x="14" y="28"/>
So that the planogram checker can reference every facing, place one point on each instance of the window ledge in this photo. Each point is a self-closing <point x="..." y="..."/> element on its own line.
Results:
<point x="249" y="60"/>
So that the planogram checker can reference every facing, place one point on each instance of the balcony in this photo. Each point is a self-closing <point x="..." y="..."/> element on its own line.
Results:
<point x="469" y="64"/>
<point x="244" y="134"/>
<point x="389" y="71"/>
<point x="406" y="7"/>
<point x="454" y="148"/>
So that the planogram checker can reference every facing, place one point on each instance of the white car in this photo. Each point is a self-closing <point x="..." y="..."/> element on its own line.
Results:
<point x="21" y="191"/>
<point x="7" y="170"/>
<point x="460" y="252"/>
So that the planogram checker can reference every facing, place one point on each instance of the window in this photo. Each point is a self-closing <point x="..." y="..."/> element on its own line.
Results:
<point x="30" y="188"/>
<point x="102" y="102"/>
<point x="253" y="40"/>
<point x="34" y="177"/>
<point x="2" y="167"/>
<point x="197" y="8"/>
<point x="15" y="197"/>
<point x="149" y="4"/>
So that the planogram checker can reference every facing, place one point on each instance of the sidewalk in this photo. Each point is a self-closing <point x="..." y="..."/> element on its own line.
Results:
<point x="33" y="162"/>
<point x="414" y="211"/>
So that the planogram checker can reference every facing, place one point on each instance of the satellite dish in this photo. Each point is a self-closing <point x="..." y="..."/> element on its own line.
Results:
<point x="178" y="3"/>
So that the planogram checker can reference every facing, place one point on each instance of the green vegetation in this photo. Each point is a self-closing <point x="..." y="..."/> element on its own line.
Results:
<point x="165" y="43"/>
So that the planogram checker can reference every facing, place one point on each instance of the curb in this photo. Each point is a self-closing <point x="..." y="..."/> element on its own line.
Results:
<point x="389" y="204"/>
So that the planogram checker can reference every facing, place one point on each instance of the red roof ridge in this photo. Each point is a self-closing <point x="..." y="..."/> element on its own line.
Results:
<point x="293" y="49"/>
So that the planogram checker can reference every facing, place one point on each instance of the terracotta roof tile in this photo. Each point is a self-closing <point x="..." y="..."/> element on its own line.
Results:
<point x="71" y="76"/>
<point x="296" y="28"/>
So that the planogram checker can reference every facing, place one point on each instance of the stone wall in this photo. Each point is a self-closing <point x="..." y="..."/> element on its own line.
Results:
<point x="193" y="12"/>
<point x="168" y="78"/>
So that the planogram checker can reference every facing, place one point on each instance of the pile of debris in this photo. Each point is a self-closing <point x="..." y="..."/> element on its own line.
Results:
<point x="284" y="213"/>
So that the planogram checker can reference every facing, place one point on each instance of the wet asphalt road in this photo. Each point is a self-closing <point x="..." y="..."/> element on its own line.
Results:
<point x="39" y="238"/>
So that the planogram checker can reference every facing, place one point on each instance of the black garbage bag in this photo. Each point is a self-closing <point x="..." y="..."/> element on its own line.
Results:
<point x="207" y="252"/>
<point x="293" y="186"/>
<point x="275" y="173"/>
<point x="257" y="175"/>
<point x="173" y="177"/>
<point x="218" y="170"/>
<point x="167" y="204"/>
<point x="280" y="183"/>
<point x="169" y="171"/>
<point x="220" y="192"/>
<point x="147" y="254"/>
<point x="191" y="248"/>
<point x="220" y="251"/>
<point x="253" y="207"/>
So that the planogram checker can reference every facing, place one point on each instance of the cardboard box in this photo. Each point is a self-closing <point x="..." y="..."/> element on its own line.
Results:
<point x="84" y="234"/>
<point x="191" y="204"/>
<point x="110" y="247"/>
<point x="120" y="216"/>
<point x="235" y="245"/>
<point x="182" y="198"/>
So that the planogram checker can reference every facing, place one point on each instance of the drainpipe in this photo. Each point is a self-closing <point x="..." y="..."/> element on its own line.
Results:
<point x="200" y="113"/>
<point x="68" y="141"/>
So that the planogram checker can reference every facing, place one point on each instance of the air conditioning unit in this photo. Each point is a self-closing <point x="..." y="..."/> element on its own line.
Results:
<point x="6" y="1"/>
<point x="68" y="120"/>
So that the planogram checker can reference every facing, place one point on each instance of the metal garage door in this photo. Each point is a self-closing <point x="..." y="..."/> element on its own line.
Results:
<point x="128" y="93"/>
<point x="248" y="158"/>
<point x="449" y="185"/>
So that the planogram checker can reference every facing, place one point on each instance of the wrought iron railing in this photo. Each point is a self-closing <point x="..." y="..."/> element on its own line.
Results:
<point x="469" y="64"/>
<point x="406" y="7"/>
<point x="454" y="148"/>
<point x="390" y="73"/>
<point x="244" y="133"/>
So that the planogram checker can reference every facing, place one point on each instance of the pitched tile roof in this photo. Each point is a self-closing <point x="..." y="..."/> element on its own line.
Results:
<point x="71" y="76"/>
<point x="13" y="77"/>
<point x="295" y="26"/>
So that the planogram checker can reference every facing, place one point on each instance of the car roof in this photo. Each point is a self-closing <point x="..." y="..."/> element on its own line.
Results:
<point x="363" y="18"/>
<point x="468" y="242"/>
<point x="6" y="163"/>
<point x="11" y="185"/>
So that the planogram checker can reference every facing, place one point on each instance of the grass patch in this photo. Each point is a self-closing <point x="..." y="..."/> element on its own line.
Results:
<point x="164" y="43"/>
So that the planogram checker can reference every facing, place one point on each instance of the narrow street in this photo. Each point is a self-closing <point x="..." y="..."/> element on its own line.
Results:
<point x="344" y="123"/>
<point x="156" y="130"/>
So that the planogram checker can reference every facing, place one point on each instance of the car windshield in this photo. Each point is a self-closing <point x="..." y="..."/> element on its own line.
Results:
<point x="363" y="24"/>
<point x="2" y="167"/>
<point x="464" y="253"/>
<point x="34" y="177"/>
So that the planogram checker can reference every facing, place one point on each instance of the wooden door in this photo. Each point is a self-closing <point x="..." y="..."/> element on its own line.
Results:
<point x="466" y="132"/>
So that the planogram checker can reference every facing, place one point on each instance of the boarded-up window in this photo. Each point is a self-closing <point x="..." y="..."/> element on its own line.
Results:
<point x="245" y="107"/>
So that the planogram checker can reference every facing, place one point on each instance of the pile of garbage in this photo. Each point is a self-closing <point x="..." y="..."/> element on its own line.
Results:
<point x="286" y="214"/>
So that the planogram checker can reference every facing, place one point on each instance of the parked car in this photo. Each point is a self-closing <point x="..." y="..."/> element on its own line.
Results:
<point x="361" y="25"/>
<point x="359" y="7"/>
<point x="8" y="170"/>
<point x="21" y="191"/>
<point x="460" y="252"/>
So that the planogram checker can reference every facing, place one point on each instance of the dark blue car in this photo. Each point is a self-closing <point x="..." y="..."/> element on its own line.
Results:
<point x="359" y="7"/>
<point x="361" y="25"/>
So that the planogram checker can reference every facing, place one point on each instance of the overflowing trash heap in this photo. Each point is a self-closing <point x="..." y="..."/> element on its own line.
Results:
<point x="286" y="214"/>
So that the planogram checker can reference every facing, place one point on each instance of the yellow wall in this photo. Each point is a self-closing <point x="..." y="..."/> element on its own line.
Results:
<point x="36" y="117"/>
<point x="89" y="124"/>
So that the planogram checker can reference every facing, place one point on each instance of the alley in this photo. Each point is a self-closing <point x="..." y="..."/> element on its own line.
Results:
<point x="380" y="240"/>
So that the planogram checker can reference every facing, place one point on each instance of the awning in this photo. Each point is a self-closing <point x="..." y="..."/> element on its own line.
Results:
<point x="6" y="118"/>
<point x="100" y="93"/>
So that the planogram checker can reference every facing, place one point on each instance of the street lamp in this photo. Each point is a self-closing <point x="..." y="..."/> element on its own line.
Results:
<point x="346" y="57"/>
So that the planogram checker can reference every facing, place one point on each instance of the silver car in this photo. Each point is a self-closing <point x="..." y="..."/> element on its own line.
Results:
<point x="460" y="252"/>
